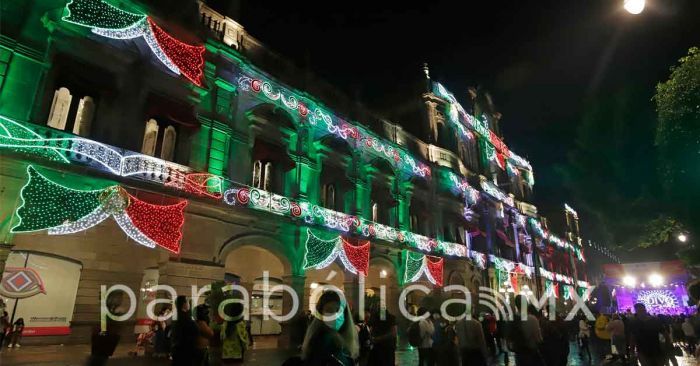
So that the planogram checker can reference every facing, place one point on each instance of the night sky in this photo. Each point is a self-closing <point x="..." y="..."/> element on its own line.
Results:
<point x="540" y="60"/>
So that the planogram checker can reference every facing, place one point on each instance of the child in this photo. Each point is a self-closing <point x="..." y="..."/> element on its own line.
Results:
<point x="16" y="334"/>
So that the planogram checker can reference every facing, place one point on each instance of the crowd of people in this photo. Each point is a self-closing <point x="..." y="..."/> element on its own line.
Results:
<point x="331" y="335"/>
<point x="483" y="339"/>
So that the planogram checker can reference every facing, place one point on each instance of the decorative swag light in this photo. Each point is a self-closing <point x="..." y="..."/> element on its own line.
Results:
<point x="47" y="205"/>
<point x="112" y="22"/>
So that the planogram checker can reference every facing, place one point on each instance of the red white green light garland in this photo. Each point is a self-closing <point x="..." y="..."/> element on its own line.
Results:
<point x="47" y="205"/>
<point x="112" y="22"/>
<point x="321" y="253"/>
<point x="418" y="265"/>
<point x="358" y="137"/>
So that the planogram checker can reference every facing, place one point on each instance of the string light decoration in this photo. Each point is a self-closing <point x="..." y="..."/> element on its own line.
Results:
<point x="321" y="253"/>
<point x="128" y="164"/>
<point x="22" y="139"/>
<point x="99" y="14"/>
<point x="418" y="265"/>
<point x="494" y="148"/>
<point x="357" y="137"/>
<point x="201" y="184"/>
<point x="111" y="22"/>
<point x="47" y="205"/>
<point x="478" y="258"/>
<point x="160" y="223"/>
<point x="568" y="292"/>
<point x="188" y="59"/>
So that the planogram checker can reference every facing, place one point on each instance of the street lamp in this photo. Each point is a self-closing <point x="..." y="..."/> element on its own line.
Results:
<point x="682" y="238"/>
<point x="634" y="6"/>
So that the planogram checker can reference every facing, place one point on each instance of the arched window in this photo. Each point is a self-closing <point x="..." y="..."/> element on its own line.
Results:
<point x="375" y="212"/>
<point x="167" y="150"/>
<point x="150" y="138"/>
<point x="262" y="175"/>
<point x="267" y="176"/>
<point x="257" y="174"/>
<point x="83" y="118"/>
<point x="60" y="108"/>
<point x="329" y="196"/>
<point x="414" y="223"/>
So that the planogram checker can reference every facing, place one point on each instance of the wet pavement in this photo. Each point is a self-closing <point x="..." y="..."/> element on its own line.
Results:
<point x="265" y="352"/>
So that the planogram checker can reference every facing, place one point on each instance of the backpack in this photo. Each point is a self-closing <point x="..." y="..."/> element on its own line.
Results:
<point x="414" y="338"/>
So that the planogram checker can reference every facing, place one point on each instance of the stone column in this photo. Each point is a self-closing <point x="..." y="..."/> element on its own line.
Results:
<point x="351" y="290"/>
<point x="404" y="203"/>
<point x="288" y="338"/>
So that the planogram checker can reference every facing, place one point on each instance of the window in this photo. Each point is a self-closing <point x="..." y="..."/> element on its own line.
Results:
<point x="414" y="223"/>
<point x="328" y="198"/>
<point x="257" y="173"/>
<point x="83" y="118"/>
<point x="167" y="150"/>
<point x="61" y="109"/>
<point x="262" y="175"/>
<point x="152" y="138"/>
<point x="375" y="211"/>
<point x="267" y="176"/>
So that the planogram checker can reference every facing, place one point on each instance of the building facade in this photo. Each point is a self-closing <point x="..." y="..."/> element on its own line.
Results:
<point x="143" y="147"/>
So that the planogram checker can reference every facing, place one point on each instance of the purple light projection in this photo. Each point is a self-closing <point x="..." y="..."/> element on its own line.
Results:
<point x="668" y="300"/>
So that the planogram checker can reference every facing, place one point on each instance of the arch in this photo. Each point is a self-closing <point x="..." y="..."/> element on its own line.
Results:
<point x="381" y="165"/>
<point x="269" y="113"/>
<point x="378" y="263"/>
<point x="266" y="242"/>
<point x="455" y="278"/>
<point x="248" y="262"/>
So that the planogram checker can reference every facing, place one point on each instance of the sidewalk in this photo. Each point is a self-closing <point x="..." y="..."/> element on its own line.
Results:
<point x="264" y="354"/>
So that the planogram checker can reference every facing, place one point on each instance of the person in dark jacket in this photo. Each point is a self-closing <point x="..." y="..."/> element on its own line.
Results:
<point x="184" y="334"/>
<point x="331" y="338"/>
<point x="384" y="334"/>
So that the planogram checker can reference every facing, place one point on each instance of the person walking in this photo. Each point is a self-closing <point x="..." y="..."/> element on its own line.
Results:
<point x="616" y="328"/>
<point x="331" y="338"/>
<point x="427" y="329"/>
<point x="471" y="342"/>
<point x="204" y="335"/>
<point x="584" y="335"/>
<point x="691" y="338"/>
<point x="601" y="340"/>
<point x="16" y="334"/>
<point x="234" y="337"/>
<point x="524" y="334"/>
<point x="365" y="337"/>
<point x="384" y="335"/>
<point x="644" y="336"/>
<point x="184" y="333"/>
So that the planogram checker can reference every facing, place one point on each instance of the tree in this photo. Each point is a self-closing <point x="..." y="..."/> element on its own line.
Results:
<point x="678" y="138"/>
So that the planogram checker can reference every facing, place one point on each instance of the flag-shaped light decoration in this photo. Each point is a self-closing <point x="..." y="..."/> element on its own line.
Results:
<point x="321" y="253"/>
<point x="109" y="21"/>
<point x="47" y="205"/>
<point x="418" y="264"/>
